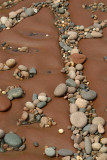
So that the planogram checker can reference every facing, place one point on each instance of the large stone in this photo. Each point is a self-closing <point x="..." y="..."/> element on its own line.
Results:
<point x="4" y="19"/>
<point x="5" y="103"/>
<point x="12" y="14"/>
<point x="29" y="11"/>
<point x="15" y="93"/>
<point x="78" y="58"/>
<point x="103" y="156"/>
<point x="50" y="152"/>
<point x="88" y="146"/>
<point x="89" y="95"/>
<point x="60" y="90"/>
<point x="78" y="119"/>
<point x="96" y="34"/>
<point x="10" y="62"/>
<point x="13" y="140"/>
<point x="98" y="120"/>
<point x="81" y="103"/>
<point x="96" y="146"/>
<point x="65" y="152"/>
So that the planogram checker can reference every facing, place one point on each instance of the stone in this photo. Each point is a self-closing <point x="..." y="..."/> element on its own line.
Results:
<point x="29" y="105"/>
<point x="29" y="11"/>
<point x="88" y="147"/>
<point x="24" y="74"/>
<point x="78" y="122"/>
<point x="101" y="129"/>
<point x="86" y="128"/>
<point x="72" y="35"/>
<point x="96" y="25"/>
<point x="42" y="98"/>
<point x="2" y="133"/>
<point x="66" y="158"/>
<point x="89" y="95"/>
<point x="8" y="24"/>
<point x="22" y="68"/>
<point x="81" y="103"/>
<point x="61" y="131"/>
<point x="78" y="58"/>
<point x="79" y="67"/>
<point x="72" y="74"/>
<point x="65" y="152"/>
<point x="5" y="103"/>
<point x="73" y="108"/>
<point x="71" y="90"/>
<point x="35" y="96"/>
<point x="13" y="140"/>
<point x="105" y="58"/>
<point x="15" y="93"/>
<point x="36" y="144"/>
<point x="104" y="141"/>
<point x="82" y="145"/>
<point x="89" y="158"/>
<point x="103" y="149"/>
<point x="78" y="139"/>
<point x="36" y="101"/>
<point x="4" y="19"/>
<point x="24" y="115"/>
<point x="61" y="10"/>
<point x="10" y="63"/>
<point x="41" y="104"/>
<point x="1" y="66"/>
<point x="98" y="120"/>
<point x="96" y="34"/>
<point x="96" y="146"/>
<point x="32" y="71"/>
<point x="50" y="152"/>
<point x="22" y="148"/>
<point x="74" y="50"/>
<point x="93" y="128"/>
<point x="70" y="83"/>
<point x="103" y="156"/>
<point x="12" y="14"/>
<point x="60" y="90"/>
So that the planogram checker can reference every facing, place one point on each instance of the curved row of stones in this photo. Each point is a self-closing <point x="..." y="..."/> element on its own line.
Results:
<point x="87" y="127"/>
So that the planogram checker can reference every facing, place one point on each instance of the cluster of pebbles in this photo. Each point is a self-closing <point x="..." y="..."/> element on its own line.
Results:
<point x="33" y="113"/>
<point x="87" y="128"/>
<point x="11" y="142"/>
<point x="9" y="3"/>
<point x="10" y="63"/>
<point x="22" y="72"/>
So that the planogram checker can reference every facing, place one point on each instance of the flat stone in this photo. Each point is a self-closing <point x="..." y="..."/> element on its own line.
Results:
<point x="78" y="58"/>
<point x="89" y="95"/>
<point x="98" y="120"/>
<point x="60" y="90"/>
<point x="70" y="83"/>
<point x="88" y="147"/>
<point x="41" y="104"/>
<point x="29" y="11"/>
<point x="77" y="139"/>
<point x="65" y="152"/>
<point x="22" y="68"/>
<point x="5" y="103"/>
<point x="78" y="122"/>
<point x="15" y="93"/>
<point x="81" y="103"/>
<point x="72" y="74"/>
<point x="96" y="34"/>
<point x="50" y="152"/>
<point x="35" y="96"/>
<point x="73" y="108"/>
<point x="13" y="140"/>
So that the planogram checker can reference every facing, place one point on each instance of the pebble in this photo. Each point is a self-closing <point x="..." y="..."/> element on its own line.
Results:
<point x="4" y="19"/>
<point x="78" y="139"/>
<point x="104" y="141"/>
<point x="88" y="147"/>
<point x="66" y="158"/>
<point x="65" y="152"/>
<point x="81" y="103"/>
<point x="89" y="95"/>
<point x="13" y="140"/>
<point x="72" y="35"/>
<point x="93" y="128"/>
<point x="22" y="68"/>
<point x="29" y="11"/>
<point x="11" y="63"/>
<point x="41" y="104"/>
<point x="98" y="120"/>
<point x="60" y="90"/>
<point x="71" y="90"/>
<point x="78" y="122"/>
<point x="5" y="103"/>
<point x="78" y="58"/>
<point x="32" y="71"/>
<point x="61" y="131"/>
<point x="96" y="146"/>
<point x="73" y="108"/>
<point x="101" y="129"/>
<point x="12" y="14"/>
<point x="105" y="58"/>
<point x="96" y="34"/>
<point x="50" y="152"/>
<point x="42" y="98"/>
<point x="15" y="93"/>
<point x="44" y="120"/>
<point x="72" y="74"/>
<point x="2" y="133"/>
<point x="103" y="156"/>
<point x="23" y="147"/>
<point x="103" y="149"/>
<point x="36" y="144"/>
<point x="79" y="67"/>
<point x="24" y="115"/>
<point x="75" y="50"/>
<point x="70" y="83"/>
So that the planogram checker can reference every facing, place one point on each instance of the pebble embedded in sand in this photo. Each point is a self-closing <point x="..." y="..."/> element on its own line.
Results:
<point x="78" y="58"/>
<point x="5" y="103"/>
<point x="11" y="63"/>
<point x="61" y="131"/>
<point x="60" y="90"/>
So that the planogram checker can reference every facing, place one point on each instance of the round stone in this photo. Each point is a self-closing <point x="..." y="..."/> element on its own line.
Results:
<point x="93" y="128"/>
<point x="13" y="140"/>
<point x="36" y="144"/>
<point x="60" y="90"/>
<point x="29" y="105"/>
<point x="2" y="133"/>
<point x="98" y="120"/>
<point x="5" y="103"/>
<point x="81" y="103"/>
<point x="71" y="90"/>
<point x="96" y="146"/>
<point x="12" y="14"/>
<point x="72" y="35"/>
<point x="75" y="50"/>
<point x="72" y="74"/>
<point x="50" y="152"/>
<point x="70" y="83"/>
<point x="29" y="11"/>
<point x="78" y="58"/>
<point x="78" y="122"/>
<point x="42" y="98"/>
<point x="4" y="19"/>
<point x="79" y="67"/>
<point x="15" y="93"/>
<point x="8" y="24"/>
<point x="73" y="108"/>
<point x="61" y="131"/>
<point x="89" y="95"/>
<point x="101" y="129"/>
<point x="10" y="62"/>
<point x="104" y="141"/>
<point x="24" y="115"/>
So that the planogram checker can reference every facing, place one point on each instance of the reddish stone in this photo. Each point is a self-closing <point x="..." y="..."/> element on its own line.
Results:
<point x="5" y="103"/>
<point x="78" y="58"/>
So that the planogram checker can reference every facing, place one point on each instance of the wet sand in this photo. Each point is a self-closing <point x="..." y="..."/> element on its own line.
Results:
<point x="48" y="59"/>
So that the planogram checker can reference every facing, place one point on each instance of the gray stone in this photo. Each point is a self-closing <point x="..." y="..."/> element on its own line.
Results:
<point x="15" y="93"/>
<point x="32" y="71"/>
<point x="36" y="144"/>
<point x="61" y="10"/>
<point x="41" y="104"/>
<point x="13" y="140"/>
<point x="2" y="133"/>
<point x="86" y="128"/>
<point x="2" y="150"/>
<point x="89" y="95"/>
<point x="50" y="152"/>
<point x="70" y="83"/>
<point x="29" y="11"/>
<point x="89" y="158"/>
<point x="88" y="147"/>
<point x="35" y="96"/>
<point x="93" y="128"/>
<point x="65" y="152"/>
<point x="60" y="90"/>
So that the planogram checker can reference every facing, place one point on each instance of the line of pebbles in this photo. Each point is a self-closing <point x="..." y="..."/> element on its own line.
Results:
<point x="87" y="127"/>
<point x="8" y="4"/>
<point x="33" y="113"/>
